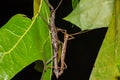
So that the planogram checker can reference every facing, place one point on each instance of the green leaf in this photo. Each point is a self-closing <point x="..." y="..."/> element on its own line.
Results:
<point x="74" y="3"/>
<point x="43" y="18"/>
<point x="107" y="65"/>
<point x="36" y="5"/>
<point x="91" y="14"/>
<point x="23" y="41"/>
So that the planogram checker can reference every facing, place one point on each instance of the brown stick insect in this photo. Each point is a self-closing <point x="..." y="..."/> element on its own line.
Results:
<point x="55" y="39"/>
<point x="55" y="42"/>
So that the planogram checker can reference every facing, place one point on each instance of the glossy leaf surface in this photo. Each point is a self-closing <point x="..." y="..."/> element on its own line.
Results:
<point x="23" y="41"/>
<point x="91" y="14"/>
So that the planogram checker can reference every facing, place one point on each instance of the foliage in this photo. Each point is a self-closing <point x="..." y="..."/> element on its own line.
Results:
<point x="91" y="14"/>
<point x="74" y="3"/>
<point x="107" y="66"/>
<point x="24" y="40"/>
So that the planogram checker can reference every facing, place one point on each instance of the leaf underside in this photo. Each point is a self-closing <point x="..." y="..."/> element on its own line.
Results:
<point x="91" y="14"/>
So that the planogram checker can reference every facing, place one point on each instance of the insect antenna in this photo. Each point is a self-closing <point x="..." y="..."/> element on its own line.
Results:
<point x="58" y="5"/>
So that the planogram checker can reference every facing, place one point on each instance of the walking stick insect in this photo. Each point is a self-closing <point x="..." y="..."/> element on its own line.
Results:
<point x="55" y="42"/>
<point x="54" y="36"/>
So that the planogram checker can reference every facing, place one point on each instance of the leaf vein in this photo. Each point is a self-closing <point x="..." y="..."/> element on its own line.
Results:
<point x="15" y="45"/>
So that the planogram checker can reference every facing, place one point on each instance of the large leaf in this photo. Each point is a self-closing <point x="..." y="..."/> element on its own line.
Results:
<point x="91" y="14"/>
<point x="107" y="65"/>
<point x="23" y="41"/>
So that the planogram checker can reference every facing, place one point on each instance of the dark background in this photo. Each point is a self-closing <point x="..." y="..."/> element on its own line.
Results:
<point x="81" y="51"/>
